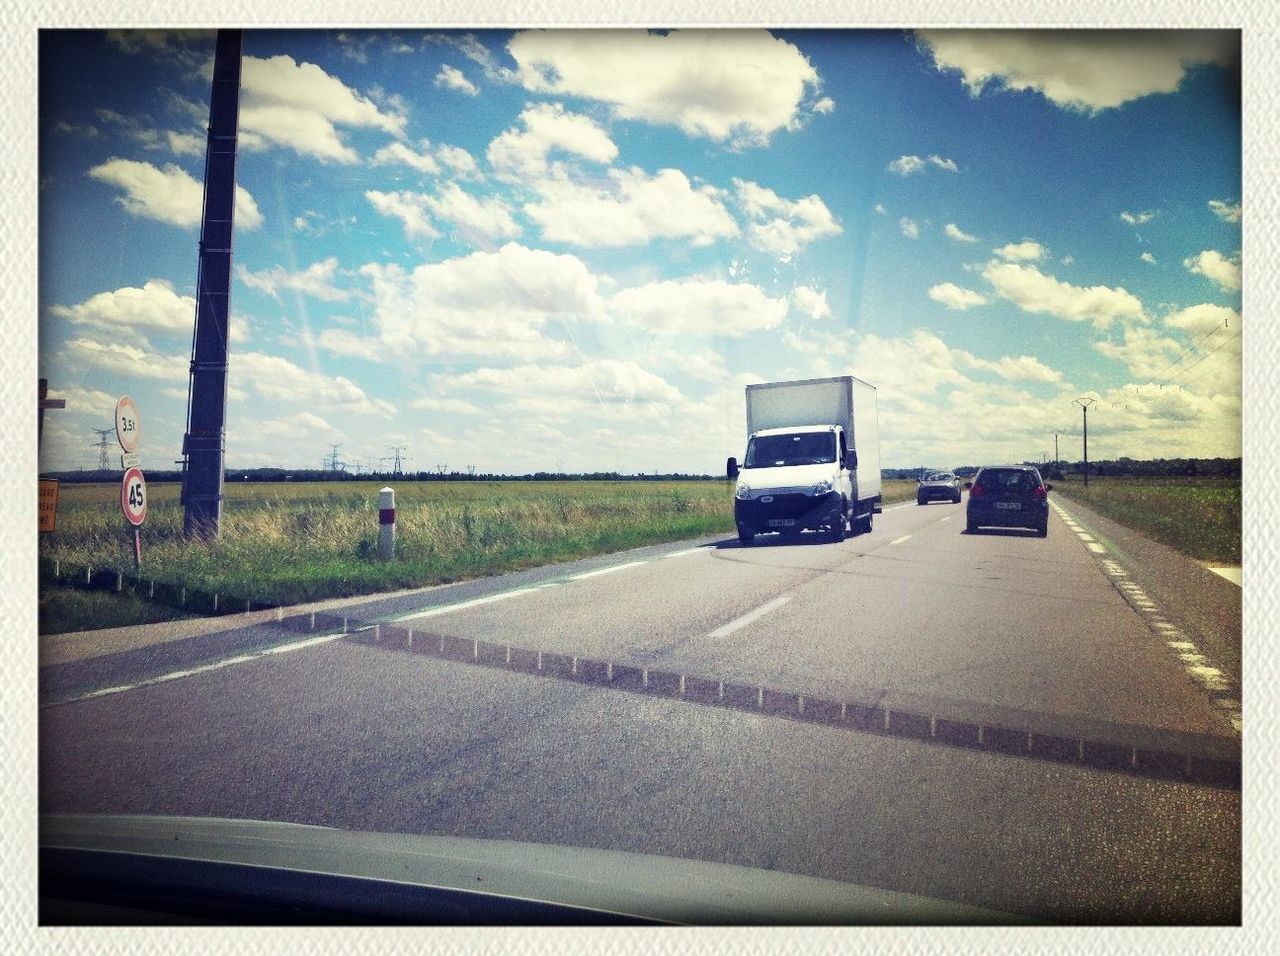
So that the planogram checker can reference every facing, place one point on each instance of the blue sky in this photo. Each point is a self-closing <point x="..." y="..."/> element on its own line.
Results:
<point x="572" y="249"/>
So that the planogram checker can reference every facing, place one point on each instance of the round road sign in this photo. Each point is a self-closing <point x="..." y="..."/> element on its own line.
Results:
<point x="128" y="430"/>
<point x="133" y="497"/>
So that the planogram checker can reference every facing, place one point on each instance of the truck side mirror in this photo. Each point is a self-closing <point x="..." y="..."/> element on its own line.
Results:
<point x="731" y="468"/>
<point x="1048" y="487"/>
<point x="968" y="484"/>
<point x="851" y="460"/>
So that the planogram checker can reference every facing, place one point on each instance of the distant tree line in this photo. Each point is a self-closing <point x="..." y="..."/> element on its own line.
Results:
<point x="1118" y="468"/>
<point x="1122" y="467"/>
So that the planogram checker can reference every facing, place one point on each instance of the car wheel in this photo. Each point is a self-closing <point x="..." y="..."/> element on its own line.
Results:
<point x="956" y="499"/>
<point x="1043" y="530"/>
<point x="971" y="526"/>
<point x="745" y="538"/>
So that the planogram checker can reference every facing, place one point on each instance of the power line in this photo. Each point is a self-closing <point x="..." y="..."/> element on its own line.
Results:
<point x="1185" y="355"/>
<point x="1222" y="344"/>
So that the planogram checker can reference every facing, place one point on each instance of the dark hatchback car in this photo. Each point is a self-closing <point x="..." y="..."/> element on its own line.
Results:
<point x="940" y="486"/>
<point x="1008" y="496"/>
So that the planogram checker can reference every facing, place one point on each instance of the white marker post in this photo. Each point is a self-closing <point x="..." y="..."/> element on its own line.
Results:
<point x="386" y="524"/>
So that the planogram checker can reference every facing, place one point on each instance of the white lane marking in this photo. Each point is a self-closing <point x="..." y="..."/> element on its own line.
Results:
<point x="1083" y="536"/>
<point x="900" y="540"/>
<point x="460" y="606"/>
<point x="681" y="554"/>
<point x="616" y="567"/>
<point x="1231" y="574"/>
<point x="1097" y="548"/>
<point x="203" y="669"/>
<point x="947" y="518"/>
<point x="750" y="617"/>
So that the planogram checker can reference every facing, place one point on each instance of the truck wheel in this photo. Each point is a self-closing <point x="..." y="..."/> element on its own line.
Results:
<point x="919" y="500"/>
<point x="971" y="526"/>
<point x="745" y="538"/>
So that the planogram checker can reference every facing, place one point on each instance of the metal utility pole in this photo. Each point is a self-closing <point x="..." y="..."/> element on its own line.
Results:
<point x="1056" y="457"/>
<point x="204" y="444"/>
<point x="43" y="402"/>
<point x="1084" y="404"/>
<point x="332" y="462"/>
<point x="104" y="442"/>
<point x="395" y="460"/>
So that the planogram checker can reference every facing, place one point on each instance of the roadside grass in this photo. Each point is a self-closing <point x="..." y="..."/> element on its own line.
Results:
<point x="63" y="609"/>
<point x="1200" y="517"/>
<point x="287" y="543"/>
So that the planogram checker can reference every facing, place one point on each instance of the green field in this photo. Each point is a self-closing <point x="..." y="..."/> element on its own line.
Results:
<point x="299" y="541"/>
<point x="1198" y="516"/>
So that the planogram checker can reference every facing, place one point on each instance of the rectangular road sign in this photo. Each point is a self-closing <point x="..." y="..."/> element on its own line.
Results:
<point x="48" y="503"/>
<point x="131" y="461"/>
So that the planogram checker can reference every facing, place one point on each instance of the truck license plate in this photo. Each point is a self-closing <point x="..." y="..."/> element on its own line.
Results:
<point x="1009" y="505"/>
<point x="782" y="522"/>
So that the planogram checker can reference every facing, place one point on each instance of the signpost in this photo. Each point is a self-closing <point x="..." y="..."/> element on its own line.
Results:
<point x="133" y="487"/>
<point x="133" y="502"/>
<point x="48" y="504"/>
<point x="128" y="429"/>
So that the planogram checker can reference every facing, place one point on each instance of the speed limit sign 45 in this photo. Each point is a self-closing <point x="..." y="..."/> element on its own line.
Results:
<point x="133" y="496"/>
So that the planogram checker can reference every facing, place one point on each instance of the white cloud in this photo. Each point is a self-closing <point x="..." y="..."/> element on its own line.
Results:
<point x="1138" y="218"/>
<point x="293" y="426"/>
<point x="451" y="78"/>
<point x="398" y="153"/>
<point x="494" y="304"/>
<point x="316" y="281"/>
<point x="1144" y="351"/>
<point x="1033" y="291"/>
<point x="956" y="298"/>
<point x="959" y="235"/>
<point x="126" y="360"/>
<point x="408" y="208"/>
<point x="155" y="308"/>
<point x="811" y="302"/>
<point x="523" y="153"/>
<point x="483" y="219"/>
<point x="739" y="85"/>
<point x="279" y="380"/>
<point x="348" y="344"/>
<point x="1220" y="269"/>
<point x="825" y="105"/>
<point x="1226" y="211"/>
<point x="880" y="210"/>
<point x="699" y="307"/>
<point x="446" y="406"/>
<point x="906" y="165"/>
<point x="1201" y="319"/>
<point x="607" y="387"/>
<point x="1148" y="257"/>
<point x="629" y="207"/>
<point x="168" y="195"/>
<point x="1013" y="368"/>
<point x="458" y="160"/>
<point x="910" y="228"/>
<point x="1026" y="251"/>
<point x="783" y="227"/>
<point x="705" y="365"/>
<point x="1083" y="70"/>
<point x="300" y="106"/>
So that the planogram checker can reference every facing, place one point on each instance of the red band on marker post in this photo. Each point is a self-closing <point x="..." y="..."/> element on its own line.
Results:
<point x="386" y="524"/>
<point x="386" y="516"/>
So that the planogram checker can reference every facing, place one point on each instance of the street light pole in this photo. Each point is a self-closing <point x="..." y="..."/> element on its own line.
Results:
<point x="1084" y="404"/>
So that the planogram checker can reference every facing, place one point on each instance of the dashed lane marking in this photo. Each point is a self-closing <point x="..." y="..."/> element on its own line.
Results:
<point x="1221" y="689"/>
<point x="202" y="669"/>
<point x="900" y="540"/>
<point x="750" y="617"/>
<point x="608" y="570"/>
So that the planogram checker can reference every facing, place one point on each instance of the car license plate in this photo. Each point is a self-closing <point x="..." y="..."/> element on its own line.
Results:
<point x="1009" y="505"/>
<point x="782" y="522"/>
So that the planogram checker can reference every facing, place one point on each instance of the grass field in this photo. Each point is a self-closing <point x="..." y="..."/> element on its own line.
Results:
<point x="292" y="542"/>
<point x="1198" y="516"/>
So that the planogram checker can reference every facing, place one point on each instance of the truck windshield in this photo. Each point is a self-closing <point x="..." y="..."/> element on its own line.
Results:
<point x="807" y="448"/>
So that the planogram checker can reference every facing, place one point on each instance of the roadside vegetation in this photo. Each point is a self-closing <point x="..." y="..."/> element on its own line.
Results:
<point x="1198" y="516"/>
<point x="291" y="542"/>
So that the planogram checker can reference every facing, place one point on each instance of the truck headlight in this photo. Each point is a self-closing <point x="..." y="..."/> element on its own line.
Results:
<point x="743" y="491"/>
<point x="821" y="488"/>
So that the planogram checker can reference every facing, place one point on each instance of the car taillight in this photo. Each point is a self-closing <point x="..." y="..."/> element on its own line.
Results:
<point x="977" y="491"/>
<point x="1039" y="492"/>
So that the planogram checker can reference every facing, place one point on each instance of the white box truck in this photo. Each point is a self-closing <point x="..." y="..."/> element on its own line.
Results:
<point x="812" y="459"/>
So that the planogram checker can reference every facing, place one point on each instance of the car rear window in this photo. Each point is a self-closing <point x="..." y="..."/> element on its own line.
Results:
<point x="1008" y="479"/>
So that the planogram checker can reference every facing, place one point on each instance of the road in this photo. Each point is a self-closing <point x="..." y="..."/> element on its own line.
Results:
<point x="1001" y="720"/>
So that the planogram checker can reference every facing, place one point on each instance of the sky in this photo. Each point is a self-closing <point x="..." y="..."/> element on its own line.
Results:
<point x="571" y="250"/>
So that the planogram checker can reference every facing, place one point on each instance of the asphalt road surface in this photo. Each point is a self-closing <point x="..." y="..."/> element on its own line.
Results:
<point x="1048" y="727"/>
